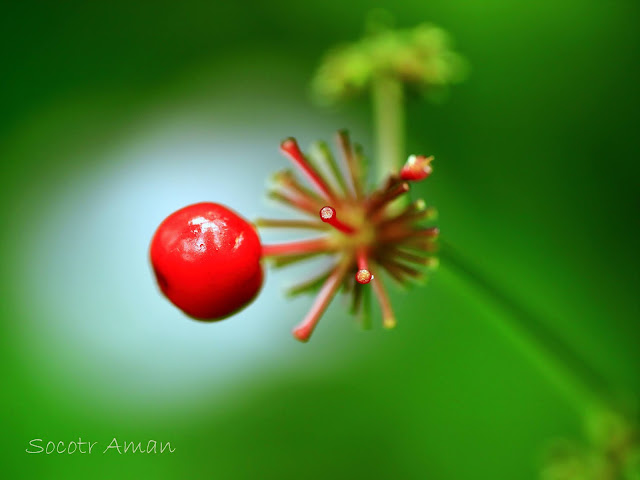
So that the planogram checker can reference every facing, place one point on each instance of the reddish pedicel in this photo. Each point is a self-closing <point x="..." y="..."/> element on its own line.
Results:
<point x="206" y="259"/>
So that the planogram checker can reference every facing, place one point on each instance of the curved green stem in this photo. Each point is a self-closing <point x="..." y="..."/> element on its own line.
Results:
<point x="558" y="361"/>
<point x="553" y="356"/>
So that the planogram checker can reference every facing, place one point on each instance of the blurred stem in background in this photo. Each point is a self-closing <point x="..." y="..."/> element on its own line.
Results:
<point x="560" y="363"/>
<point x="612" y="435"/>
<point x="388" y="111"/>
<point x="386" y="63"/>
<point x="583" y="385"/>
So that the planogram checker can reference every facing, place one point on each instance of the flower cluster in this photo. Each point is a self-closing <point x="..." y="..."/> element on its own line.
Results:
<point x="365" y="232"/>
<point x="420" y="56"/>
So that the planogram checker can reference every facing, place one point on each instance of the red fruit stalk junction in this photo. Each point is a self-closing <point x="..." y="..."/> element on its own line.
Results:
<point x="364" y="232"/>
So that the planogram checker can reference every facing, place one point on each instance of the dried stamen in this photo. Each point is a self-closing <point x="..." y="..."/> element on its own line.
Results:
<point x="414" y="212"/>
<point x="388" y="196"/>
<point x="399" y="269"/>
<point x="288" y="182"/>
<point x="420" y="245"/>
<point x="304" y="330"/>
<point x="296" y="248"/>
<point x="402" y="233"/>
<point x="363" y="275"/>
<point x="311" y="284"/>
<point x="285" y="260"/>
<point x="418" y="167"/>
<point x="431" y="232"/>
<point x="294" y="201"/>
<point x="328" y="215"/>
<point x="388" y="318"/>
<point x="321" y="154"/>
<point x="291" y="149"/>
<point x="302" y="224"/>
<point x="412" y="258"/>
<point x="394" y="239"/>
<point x="352" y="165"/>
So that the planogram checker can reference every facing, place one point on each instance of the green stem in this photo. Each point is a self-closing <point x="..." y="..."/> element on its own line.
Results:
<point x="560" y="363"/>
<point x="388" y="109"/>
<point x="557" y="360"/>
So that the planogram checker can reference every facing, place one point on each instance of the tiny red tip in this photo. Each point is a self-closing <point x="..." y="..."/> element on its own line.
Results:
<point x="418" y="167"/>
<point x="289" y="145"/>
<point x="327" y="213"/>
<point x="302" y="333"/>
<point x="364" y="276"/>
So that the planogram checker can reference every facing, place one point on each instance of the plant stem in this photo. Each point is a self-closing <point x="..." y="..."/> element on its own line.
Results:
<point x="388" y="110"/>
<point x="554" y="357"/>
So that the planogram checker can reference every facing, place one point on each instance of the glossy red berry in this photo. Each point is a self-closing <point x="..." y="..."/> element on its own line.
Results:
<point x="206" y="259"/>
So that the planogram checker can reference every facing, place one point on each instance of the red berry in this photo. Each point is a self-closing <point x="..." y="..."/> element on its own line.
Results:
<point x="206" y="259"/>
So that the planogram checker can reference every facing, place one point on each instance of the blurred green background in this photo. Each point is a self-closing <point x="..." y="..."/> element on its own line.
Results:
<point x="115" y="114"/>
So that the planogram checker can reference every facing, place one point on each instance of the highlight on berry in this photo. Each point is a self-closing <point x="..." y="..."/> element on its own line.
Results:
<point x="365" y="230"/>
